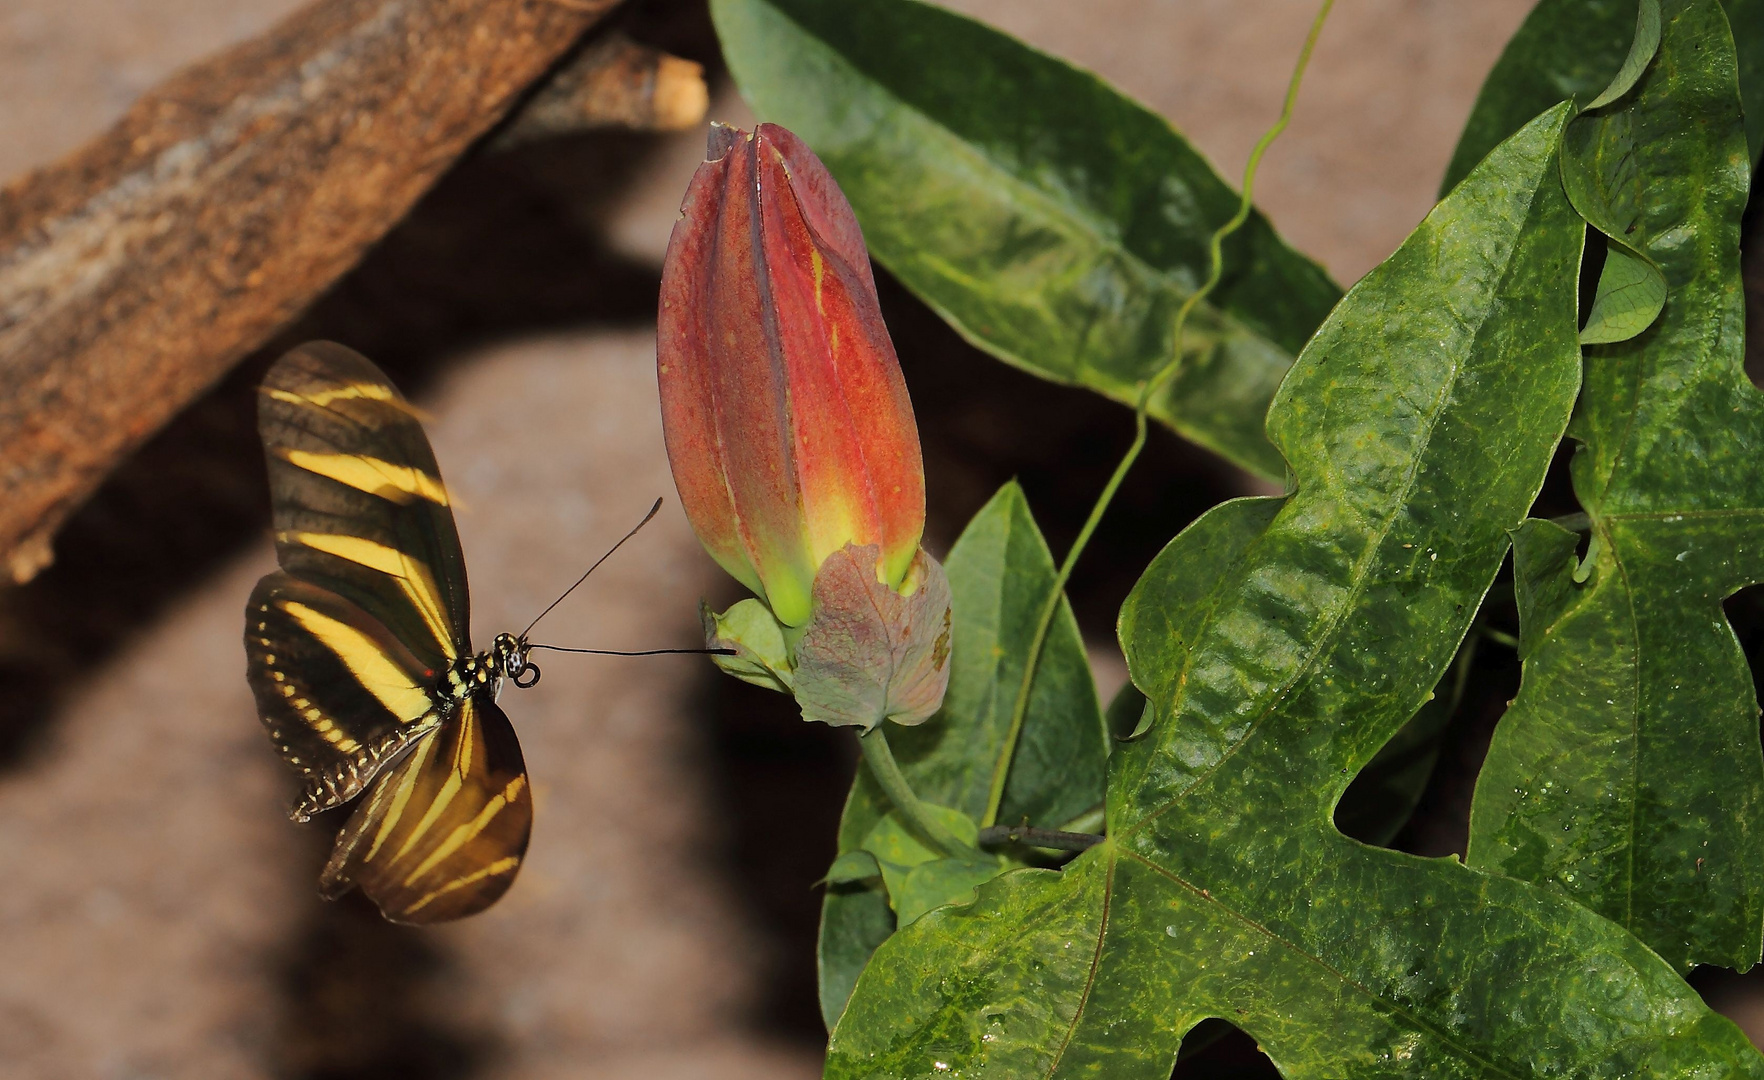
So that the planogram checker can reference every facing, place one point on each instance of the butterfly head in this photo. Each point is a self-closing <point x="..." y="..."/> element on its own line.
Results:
<point x="509" y="655"/>
<point x="506" y="658"/>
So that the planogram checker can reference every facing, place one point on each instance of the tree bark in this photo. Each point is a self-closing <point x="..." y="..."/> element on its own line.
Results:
<point x="136" y="271"/>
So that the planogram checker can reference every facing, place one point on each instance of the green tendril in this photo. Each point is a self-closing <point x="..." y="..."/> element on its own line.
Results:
<point x="1147" y="390"/>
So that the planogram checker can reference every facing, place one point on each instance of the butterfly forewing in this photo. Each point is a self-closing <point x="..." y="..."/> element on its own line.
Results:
<point x="441" y="832"/>
<point x="359" y="504"/>
<point x="338" y="694"/>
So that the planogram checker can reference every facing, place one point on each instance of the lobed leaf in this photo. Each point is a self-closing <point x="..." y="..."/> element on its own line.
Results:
<point x="1628" y="773"/>
<point x="1051" y="220"/>
<point x="1280" y="643"/>
<point x="1000" y="571"/>
<point x="1575" y="49"/>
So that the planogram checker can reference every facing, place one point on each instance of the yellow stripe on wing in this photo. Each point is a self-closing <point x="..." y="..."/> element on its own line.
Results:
<point x="413" y="771"/>
<point x="448" y="790"/>
<point x="394" y="483"/>
<point x="368" y="391"/>
<point x="378" y="674"/>
<point x="412" y="575"/>
<point x="464" y="834"/>
<point x="500" y="866"/>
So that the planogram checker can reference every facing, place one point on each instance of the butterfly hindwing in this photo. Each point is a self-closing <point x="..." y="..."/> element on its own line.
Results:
<point x="442" y="832"/>
<point x="358" y="500"/>
<point x="338" y="694"/>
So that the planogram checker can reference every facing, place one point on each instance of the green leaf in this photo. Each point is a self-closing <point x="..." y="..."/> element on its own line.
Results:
<point x="1573" y="49"/>
<point x="1630" y="295"/>
<point x="1628" y="773"/>
<point x="940" y="883"/>
<point x="919" y="879"/>
<point x="999" y="573"/>
<point x="894" y="843"/>
<point x="1054" y="222"/>
<point x="853" y="866"/>
<point x="1641" y="53"/>
<point x="1565" y="49"/>
<point x="1281" y="643"/>
<point x="855" y="920"/>
<point x="1545" y="571"/>
<point x="1602" y="182"/>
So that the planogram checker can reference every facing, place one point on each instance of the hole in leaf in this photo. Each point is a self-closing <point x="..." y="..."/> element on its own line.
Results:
<point x="1745" y="613"/>
<point x="1739" y="997"/>
<point x="1752" y="275"/>
<point x="1557" y="500"/>
<point x="1414" y="795"/>
<point x="1215" y="1048"/>
<point x="1592" y="264"/>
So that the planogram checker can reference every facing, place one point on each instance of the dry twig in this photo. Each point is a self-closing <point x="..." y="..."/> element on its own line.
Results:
<point x="615" y="82"/>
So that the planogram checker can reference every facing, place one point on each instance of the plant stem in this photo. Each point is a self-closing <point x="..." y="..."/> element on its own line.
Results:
<point x="1147" y="390"/>
<point x="1499" y="637"/>
<point x="880" y="759"/>
<point x="1030" y="836"/>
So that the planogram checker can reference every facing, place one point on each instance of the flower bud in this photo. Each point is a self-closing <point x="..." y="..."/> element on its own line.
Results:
<point x="787" y="421"/>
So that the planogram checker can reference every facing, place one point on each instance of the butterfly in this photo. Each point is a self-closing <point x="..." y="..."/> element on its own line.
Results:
<point x="359" y="654"/>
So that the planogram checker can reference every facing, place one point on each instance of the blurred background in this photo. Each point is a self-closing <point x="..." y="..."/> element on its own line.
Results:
<point x="159" y="916"/>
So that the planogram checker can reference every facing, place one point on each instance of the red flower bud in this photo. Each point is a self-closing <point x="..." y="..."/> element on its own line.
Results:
<point x="787" y="421"/>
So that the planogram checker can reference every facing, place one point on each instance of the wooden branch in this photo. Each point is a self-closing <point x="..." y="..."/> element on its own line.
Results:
<point x="134" y="272"/>
<point x="615" y="82"/>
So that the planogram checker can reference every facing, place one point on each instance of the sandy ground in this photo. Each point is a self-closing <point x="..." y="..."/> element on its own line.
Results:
<point x="159" y="918"/>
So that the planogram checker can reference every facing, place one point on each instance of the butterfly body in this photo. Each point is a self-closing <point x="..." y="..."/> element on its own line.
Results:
<point x="358" y="652"/>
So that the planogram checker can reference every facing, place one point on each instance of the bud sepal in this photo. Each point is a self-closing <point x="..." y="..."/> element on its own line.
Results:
<point x="868" y="652"/>
<point x="762" y="645"/>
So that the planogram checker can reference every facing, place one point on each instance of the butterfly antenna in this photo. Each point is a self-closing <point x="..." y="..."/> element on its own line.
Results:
<point x="639" y="652"/>
<point x="591" y="569"/>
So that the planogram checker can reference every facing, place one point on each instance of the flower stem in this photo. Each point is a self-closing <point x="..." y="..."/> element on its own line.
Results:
<point x="880" y="759"/>
<point x="1147" y="390"/>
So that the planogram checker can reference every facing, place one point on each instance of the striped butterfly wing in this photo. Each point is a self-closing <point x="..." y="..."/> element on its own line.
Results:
<point x="373" y="582"/>
<point x="442" y="832"/>
<point x="359" y="503"/>
<point x="337" y="692"/>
